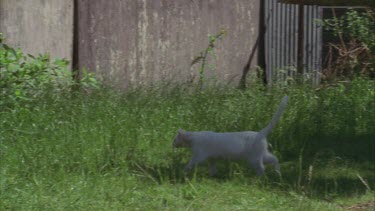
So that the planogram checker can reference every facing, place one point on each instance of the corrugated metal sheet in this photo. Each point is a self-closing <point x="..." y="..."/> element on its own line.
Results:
<point x="281" y="41"/>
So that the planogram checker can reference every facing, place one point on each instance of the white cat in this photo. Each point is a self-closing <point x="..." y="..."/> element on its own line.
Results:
<point x="248" y="145"/>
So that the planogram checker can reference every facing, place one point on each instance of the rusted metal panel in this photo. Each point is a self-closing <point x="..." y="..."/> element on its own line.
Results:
<point x="139" y="42"/>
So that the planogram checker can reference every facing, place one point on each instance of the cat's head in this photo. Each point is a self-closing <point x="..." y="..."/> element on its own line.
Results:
<point x="180" y="140"/>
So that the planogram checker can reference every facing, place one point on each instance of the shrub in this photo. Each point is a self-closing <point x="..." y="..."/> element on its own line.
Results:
<point x="354" y="54"/>
<point x="25" y="78"/>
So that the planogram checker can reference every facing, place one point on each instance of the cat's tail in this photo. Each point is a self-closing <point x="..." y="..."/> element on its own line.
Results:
<point x="276" y="117"/>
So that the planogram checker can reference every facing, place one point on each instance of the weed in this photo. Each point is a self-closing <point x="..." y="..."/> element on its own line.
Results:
<point x="202" y="58"/>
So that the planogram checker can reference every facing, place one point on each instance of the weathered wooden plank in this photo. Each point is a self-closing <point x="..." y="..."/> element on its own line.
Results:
<point x="139" y="42"/>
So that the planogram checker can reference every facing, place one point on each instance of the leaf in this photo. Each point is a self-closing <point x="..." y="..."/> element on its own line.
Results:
<point x="17" y="92"/>
<point x="31" y="56"/>
<point x="196" y="60"/>
<point x="6" y="47"/>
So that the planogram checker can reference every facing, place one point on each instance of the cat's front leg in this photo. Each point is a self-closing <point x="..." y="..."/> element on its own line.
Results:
<point x="195" y="160"/>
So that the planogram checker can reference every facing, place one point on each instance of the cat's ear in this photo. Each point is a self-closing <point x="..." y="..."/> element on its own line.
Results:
<point x="181" y="131"/>
<point x="182" y="136"/>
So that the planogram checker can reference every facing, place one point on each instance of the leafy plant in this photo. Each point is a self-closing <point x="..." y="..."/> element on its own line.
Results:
<point x="24" y="77"/>
<point x="354" y="54"/>
<point x="202" y="58"/>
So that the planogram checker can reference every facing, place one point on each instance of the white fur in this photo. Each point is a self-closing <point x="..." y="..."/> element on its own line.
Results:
<point x="247" y="145"/>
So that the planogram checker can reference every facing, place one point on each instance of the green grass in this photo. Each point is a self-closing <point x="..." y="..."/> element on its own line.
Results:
<point x="106" y="150"/>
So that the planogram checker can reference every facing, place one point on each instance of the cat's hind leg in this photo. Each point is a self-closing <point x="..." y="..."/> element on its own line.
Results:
<point x="212" y="168"/>
<point x="269" y="158"/>
<point x="258" y="166"/>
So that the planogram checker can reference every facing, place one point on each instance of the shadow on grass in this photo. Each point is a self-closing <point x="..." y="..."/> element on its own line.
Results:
<point x="326" y="169"/>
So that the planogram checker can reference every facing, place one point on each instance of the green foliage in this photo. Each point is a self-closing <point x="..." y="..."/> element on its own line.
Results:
<point x="354" y="25"/>
<point x="354" y="52"/>
<point x="26" y="78"/>
<point x="105" y="150"/>
<point x="113" y="151"/>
